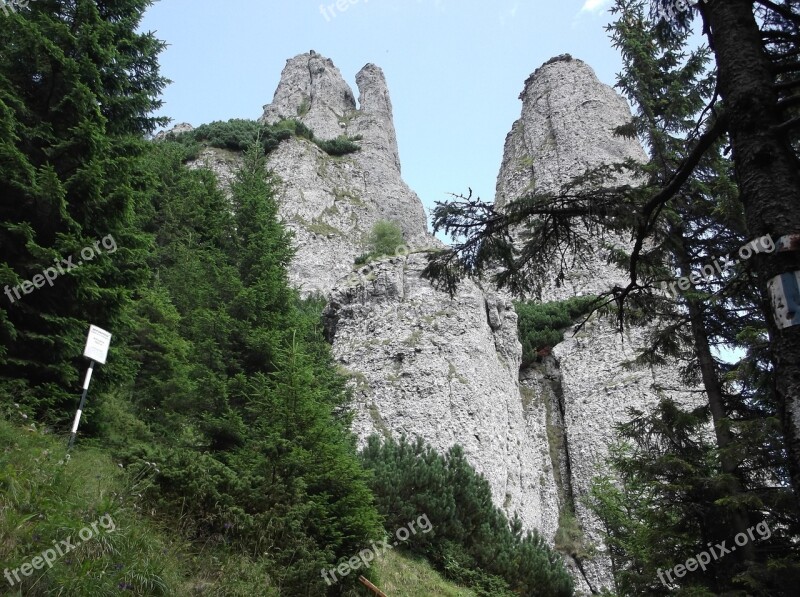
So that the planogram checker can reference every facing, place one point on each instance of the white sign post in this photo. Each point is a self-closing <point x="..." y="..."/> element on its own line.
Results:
<point x="96" y="351"/>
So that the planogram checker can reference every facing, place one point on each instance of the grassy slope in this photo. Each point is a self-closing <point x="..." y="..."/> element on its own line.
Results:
<point x="44" y="499"/>
<point x="403" y="575"/>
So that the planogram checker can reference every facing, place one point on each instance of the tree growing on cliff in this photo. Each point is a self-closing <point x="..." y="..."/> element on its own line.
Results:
<point x="688" y="210"/>
<point x="754" y="108"/>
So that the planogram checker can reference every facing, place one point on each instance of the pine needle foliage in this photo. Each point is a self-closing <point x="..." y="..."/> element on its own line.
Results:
<point x="471" y="541"/>
<point x="238" y="134"/>
<point x="542" y="325"/>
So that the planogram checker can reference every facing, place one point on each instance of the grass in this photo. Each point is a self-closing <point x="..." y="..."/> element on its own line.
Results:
<point x="45" y="499"/>
<point x="404" y="575"/>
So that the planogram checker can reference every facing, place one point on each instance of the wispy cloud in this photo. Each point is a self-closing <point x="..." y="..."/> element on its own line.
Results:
<point x="595" y="6"/>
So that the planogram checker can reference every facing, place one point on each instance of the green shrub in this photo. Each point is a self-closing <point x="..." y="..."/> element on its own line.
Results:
<point x="470" y="540"/>
<point x="237" y="134"/>
<point x="384" y="239"/>
<point x="542" y="325"/>
<point x="341" y="145"/>
<point x="295" y="127"/>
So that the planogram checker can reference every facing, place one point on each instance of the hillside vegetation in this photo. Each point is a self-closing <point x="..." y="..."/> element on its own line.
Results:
<point x="217" y="436"/>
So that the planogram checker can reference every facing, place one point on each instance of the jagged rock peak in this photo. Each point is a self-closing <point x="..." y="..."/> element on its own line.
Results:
<point x="313" y="90"/>
<point x="183" y="127"/>
<point x="567" y="125"/>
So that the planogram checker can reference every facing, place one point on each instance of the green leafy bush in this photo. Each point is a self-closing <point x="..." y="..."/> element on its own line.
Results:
<point x="384" y="239"/>
<point x="362" y="259"/>
<point x="542" y="324"/>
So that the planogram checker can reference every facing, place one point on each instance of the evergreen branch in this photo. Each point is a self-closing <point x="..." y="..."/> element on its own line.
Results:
<point x="781" y="10"/>
<point x="681" y="175"/>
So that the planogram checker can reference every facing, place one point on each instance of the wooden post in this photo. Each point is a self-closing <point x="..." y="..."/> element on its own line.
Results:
<point x="373" y="589"/>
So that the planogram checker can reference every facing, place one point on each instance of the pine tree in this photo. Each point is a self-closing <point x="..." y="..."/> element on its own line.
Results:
<point x="77" y="86"/>
<point x="755" y="46"/>
<point x="259" y="445"/>
<point x="669" y="85"/>
<point x="471" y="540"/>
<point x="263" y="251"/>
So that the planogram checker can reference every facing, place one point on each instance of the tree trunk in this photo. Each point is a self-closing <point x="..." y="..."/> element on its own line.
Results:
<point x="739" y="516"/>
<point x="768" y="179"/>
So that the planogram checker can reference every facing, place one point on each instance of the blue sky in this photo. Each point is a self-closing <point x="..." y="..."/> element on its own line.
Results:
<point x="455" y="68"/>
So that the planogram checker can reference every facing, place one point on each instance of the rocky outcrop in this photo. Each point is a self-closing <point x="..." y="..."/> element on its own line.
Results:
<point x="446" y="370"/>
<point x="567" y="126"/>
<point x="332" y="203"/>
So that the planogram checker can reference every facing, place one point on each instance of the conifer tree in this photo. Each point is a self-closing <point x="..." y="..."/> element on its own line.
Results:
<point x="259" y="444"/>
<point x="669" y="85"/>
<point x="77" y="87"/>
<point x="755" y="45"/>
<point x="471" y="540"/>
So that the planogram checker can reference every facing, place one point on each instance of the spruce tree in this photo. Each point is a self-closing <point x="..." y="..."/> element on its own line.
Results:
<point x="77" y="87"/>
<point x="755" y="45"/>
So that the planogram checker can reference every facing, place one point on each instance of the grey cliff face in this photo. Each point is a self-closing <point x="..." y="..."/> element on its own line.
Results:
<point x="423" y="364"/>
<point x="332" y="203"/>
<point x="566" y="126"/>
<point x="448" y="369"/>
<point x="311" y="87"/>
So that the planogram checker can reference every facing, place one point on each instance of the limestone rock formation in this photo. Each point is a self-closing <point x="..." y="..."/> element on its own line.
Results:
<point x="567" y="123"/>
<point x="566" y="127"/>
<point x="332" y="202"/>
<point x="448" y="369"/>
